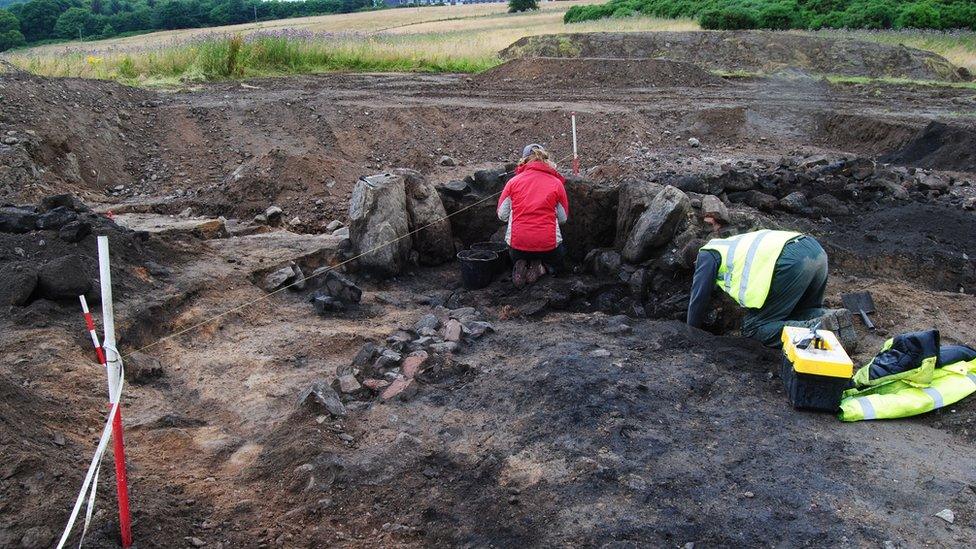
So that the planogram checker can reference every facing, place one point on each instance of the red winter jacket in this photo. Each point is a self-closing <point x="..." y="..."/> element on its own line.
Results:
<point x="534" y="203"/>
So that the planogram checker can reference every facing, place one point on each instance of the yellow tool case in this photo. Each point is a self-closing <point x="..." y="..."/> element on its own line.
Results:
<point x="816" y="369"/>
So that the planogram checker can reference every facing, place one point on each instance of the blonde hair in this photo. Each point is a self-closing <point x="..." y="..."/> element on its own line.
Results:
<point x="538" y="154"/>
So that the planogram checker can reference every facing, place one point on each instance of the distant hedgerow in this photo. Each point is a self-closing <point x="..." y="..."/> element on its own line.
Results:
<point x="793" y="14"/>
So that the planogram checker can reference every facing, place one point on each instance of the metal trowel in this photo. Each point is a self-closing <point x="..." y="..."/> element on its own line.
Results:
<point x="861" y="303"/>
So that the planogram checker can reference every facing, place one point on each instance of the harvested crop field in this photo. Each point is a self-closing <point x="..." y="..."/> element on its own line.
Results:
<point x="354" y="409"/>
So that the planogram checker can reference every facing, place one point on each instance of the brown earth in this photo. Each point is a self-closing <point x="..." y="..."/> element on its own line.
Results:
<point x="552" y="72"/>
<point x="561" y="427"/>
<point x="752" y="51"/>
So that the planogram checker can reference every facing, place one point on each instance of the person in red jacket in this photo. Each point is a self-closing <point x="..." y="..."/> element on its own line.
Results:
<point x="534" y="204"/>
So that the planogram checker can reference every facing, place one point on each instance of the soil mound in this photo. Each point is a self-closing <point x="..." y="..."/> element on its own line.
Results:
<point x="939" y="146"/>
<point x="753" y="51"/>
<point x="563" y="73"/>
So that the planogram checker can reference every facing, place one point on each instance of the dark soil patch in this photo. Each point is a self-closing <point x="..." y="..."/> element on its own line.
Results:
<point x="938" y="146"/>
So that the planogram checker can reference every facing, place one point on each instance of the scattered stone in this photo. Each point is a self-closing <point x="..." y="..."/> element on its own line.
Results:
<point x="600" y="353"/>
<point x="749" y="495"/>
<point x="428" y="321"/>
<point x="396" y="388"/>
<point x="321" y="395"/>
<point x="277" y="279"/>
<point x="446" y="161"/>
<point x="75" y="231"/>
<point x="195" y="542"/>
<point x="345" y="437"/>
<point x="452" y="330"/>
<point x="756" y="199"/>
<point x="933" y="182"/>
<point x="333" y="225"/>
<point x="59" y="439"/>
<point x="376" y="384"/>
<point x="348" y="384"/>
<point x="261" y="219"/>
<point x="657" y="225"/>
<point x="947" y="515"/>
<point x="273" y="215"/>
<point x="446" y="347"/>
<point x="142" y="368"/>
<point x="412" y="363"/>
<point x="325" y="304"/>
<point x="387" y="359"/>
<point x="186" y="213"/>
<point x="476" y="328"/>
<point x="693" y="142"/>
<point x="332" y="283"/>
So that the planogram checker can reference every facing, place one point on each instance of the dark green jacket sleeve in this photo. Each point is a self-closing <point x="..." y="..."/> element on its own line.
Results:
<point x="706" y="271"/>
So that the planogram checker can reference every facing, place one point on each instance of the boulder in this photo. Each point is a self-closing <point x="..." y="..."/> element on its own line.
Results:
<point x="795" y="202"/>
<point x="68" y="201"/>
<point x="757" y="199"/>
<point x="634" y="197"/>
<point x="273" y="215"/>
<point x="712" y="206"/>
<point x="433" y="240"/>
<point x="699" y="184"/>
<point x="325" y="304"/>
<point x="56" y="218"/>
<point x="828" y="205"/>
<point x="18" y="285"/>
<point x="603" y="262"/>
<point x="735" y="180"/>
<point x="656" y="226"/>
<point x="64" y="278"/>
<point x="75" y="231"/>
<point x="446" y="161"/>
<point x="17" y="220"/>
<point x="379" y="224"/>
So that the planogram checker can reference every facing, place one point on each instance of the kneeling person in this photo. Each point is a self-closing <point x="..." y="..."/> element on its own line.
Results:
<point x="780" y="278"/>
<point x="534" y="203"/>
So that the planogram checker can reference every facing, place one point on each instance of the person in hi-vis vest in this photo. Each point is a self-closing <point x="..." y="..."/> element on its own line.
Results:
<point x="779" y="277"/>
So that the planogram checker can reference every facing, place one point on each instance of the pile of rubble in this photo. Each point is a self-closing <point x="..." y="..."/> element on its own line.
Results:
<point x="48" y="250"/>
<point x="423" y="353"/>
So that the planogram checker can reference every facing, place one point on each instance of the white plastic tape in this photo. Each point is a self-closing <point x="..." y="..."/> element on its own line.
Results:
<point x="91" y="477"/>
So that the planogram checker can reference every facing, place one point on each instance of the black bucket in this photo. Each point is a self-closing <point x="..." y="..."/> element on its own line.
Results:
<point x="502" y="263"/>
<point x="477" y="268"/>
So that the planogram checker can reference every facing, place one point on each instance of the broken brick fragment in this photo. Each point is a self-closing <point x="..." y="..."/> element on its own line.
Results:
<point x="396" y="388"/>
<point x="411" y="365"/>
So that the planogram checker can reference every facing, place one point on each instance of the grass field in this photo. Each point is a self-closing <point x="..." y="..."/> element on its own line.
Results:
<point x="462" y="38"/>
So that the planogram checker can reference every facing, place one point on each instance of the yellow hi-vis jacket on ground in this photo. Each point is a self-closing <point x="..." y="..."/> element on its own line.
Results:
<point x="902" y="398"/>
<point x="748" y="261"/>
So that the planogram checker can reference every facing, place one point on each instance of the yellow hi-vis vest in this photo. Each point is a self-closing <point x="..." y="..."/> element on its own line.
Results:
<point x="748" y="261"/>
<point x="901" y="398"/>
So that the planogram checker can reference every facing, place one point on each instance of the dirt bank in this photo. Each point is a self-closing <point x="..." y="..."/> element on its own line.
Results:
<point x="549" y="72"/>
<point x="751" y="51"/>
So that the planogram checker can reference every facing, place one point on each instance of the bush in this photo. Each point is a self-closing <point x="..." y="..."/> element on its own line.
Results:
<point x="728" y="19"/>
<point x="515" y="6"/>
<point x="780" y="16"/>
<point x="11" y="39"/>
<point x="921" y="15"/>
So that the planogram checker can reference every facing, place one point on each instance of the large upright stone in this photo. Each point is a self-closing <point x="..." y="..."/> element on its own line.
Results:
<point x="634" y="198"/>
<point x="657" y="224"/>
<point x="426" y="215"/>
<point x="379" y="224"/>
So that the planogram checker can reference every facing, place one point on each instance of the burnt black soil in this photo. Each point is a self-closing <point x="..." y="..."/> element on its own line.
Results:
<point x="662" y="436"/>
<point x="928" y="244"/>
<point x="939" y="146"/>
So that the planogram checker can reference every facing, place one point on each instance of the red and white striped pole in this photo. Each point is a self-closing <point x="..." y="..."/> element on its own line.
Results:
<point x="113" y="371"/>
<point x="576" y="167"/>
<point x="90" y="324"/>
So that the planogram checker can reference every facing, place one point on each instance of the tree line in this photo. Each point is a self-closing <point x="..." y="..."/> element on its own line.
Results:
<point x="36" y="21"/>
<point x="794" y="14"/>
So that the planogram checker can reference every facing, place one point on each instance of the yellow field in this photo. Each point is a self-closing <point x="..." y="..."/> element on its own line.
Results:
<point x="472" y="30"/>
